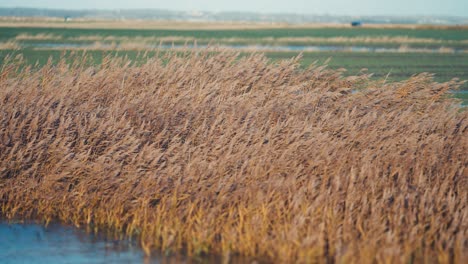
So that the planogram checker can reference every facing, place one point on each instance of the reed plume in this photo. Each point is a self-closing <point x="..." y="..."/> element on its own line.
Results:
<point x="206" y="152"/>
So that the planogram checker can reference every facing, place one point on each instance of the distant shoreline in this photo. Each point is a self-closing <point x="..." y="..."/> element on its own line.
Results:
<point x="85" y="23"/>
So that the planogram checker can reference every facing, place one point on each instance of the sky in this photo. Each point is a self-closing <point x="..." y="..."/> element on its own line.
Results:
<point x="332" y="7"/>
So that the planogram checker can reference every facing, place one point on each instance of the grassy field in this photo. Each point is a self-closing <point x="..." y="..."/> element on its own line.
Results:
<point x="397" y="66"/>
<point x="445" y="64"/>
<point x="389" y="66"/>
<point x="456" y="38"/>
<point x="439" y="34"/>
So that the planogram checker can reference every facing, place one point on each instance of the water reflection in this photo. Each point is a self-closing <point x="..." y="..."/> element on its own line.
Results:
<point x="32" y="243"/>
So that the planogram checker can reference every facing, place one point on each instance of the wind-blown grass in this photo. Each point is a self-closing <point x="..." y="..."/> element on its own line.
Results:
<point x="212" y="153"/>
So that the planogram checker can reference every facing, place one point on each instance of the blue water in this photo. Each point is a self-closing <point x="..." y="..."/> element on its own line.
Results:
<point x="33" y="243"/>
<point x="297" y="48"/>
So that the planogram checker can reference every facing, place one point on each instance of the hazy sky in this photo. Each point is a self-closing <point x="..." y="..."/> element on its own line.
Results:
<point x="335" y="7"/>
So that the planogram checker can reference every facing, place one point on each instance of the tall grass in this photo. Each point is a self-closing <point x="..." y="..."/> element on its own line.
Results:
<point x="212" y="153"/>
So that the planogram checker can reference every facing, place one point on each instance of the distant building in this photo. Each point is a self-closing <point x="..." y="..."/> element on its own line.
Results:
<point x="356" y="23"/>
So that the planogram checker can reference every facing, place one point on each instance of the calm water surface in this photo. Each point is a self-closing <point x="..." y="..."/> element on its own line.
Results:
<point x="285" y="48"/>
<point x="33" y="243"/>
<point x="57" y="244"/>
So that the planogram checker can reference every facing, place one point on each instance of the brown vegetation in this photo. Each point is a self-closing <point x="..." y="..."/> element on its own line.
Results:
<point x="207" y="152"/>
<point x="11" y="45"/>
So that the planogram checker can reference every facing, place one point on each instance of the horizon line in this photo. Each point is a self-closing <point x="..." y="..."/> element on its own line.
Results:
<point x="233" y="11"/>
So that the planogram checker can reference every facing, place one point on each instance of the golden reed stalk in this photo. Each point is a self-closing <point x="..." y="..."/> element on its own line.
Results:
<point x="213" y="153"/>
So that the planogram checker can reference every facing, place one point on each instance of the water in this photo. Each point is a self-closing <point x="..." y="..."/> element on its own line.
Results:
<point x="296" y="48"/>
<point x="33" y="243"/>
<point x="460" y="92"/>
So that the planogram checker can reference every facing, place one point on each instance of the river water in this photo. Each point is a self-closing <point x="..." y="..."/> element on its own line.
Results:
<point x="33" y="243"/>
<point x="24" y="243"/>
<point x="283" y="48"/>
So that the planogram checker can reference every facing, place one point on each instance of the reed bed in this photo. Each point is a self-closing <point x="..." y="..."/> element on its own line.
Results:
<point x="205" y="152"/>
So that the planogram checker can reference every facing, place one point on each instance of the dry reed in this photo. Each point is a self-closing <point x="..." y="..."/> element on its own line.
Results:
<point x="212" y="153"/>
<point x="10" y="45"/>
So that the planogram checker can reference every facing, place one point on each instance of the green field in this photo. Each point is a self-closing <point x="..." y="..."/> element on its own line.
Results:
<point x="368" y="37"/>
<point x="394" y="66"/>
<point x="440" y="34"/>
